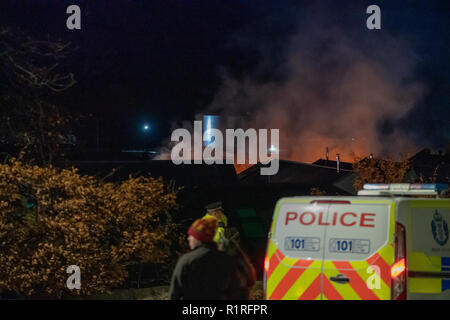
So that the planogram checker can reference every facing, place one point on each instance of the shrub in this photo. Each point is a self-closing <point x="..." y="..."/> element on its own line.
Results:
<point x="51" y="219"/>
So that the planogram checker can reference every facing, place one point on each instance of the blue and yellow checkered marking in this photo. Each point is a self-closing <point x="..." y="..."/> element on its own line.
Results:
<point x="421" y="262"/>
<point x="445" y="263"/>
<point x="445" y="266"/>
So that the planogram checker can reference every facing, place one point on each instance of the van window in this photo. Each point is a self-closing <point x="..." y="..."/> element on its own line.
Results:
<point x="355" y="232"/>
<point x="299" y="232"/>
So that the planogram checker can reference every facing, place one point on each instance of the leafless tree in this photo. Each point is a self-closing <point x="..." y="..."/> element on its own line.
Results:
<point x="32" y="63"/>
<point x="30" y="70"/>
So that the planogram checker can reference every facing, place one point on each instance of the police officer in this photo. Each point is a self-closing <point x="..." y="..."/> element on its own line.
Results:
<point x="215" y="209"/>
<point x="227" y="241"/>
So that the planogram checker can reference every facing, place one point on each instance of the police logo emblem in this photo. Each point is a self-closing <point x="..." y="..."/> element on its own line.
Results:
<point x="439" y="227"/>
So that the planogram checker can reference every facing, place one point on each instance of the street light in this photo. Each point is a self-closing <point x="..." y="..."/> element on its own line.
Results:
<point x="146" y="129"/>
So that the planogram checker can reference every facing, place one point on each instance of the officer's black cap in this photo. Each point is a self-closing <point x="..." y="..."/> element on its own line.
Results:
<point x="214" y="206"/>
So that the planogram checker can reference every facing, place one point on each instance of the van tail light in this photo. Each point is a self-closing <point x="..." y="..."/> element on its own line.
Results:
<point x="266" y="268"/>
<point x="399" y="268"/>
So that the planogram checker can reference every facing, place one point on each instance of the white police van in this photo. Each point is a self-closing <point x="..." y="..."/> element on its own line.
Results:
<point x="389" y="242"/>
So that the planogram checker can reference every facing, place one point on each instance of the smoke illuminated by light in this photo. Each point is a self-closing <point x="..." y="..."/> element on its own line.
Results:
<point x="209" y="122"/>
<point x="340" y="106"/>
<point x="273" y="149"/>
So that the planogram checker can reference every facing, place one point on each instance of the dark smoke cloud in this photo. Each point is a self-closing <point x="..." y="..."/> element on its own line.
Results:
<point x="334" y="88"/>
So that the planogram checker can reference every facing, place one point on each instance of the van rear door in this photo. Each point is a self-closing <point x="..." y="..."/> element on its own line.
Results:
<point x="358" y="250"/>
<point x="295" y="250"/>
<point x="428" y="247"/>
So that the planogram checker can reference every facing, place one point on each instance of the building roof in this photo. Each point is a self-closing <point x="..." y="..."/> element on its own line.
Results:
<point x="333" y="164"/>
<point x="298" y="173"/>
<point x="430" y="167"/>
<point x="187" y="175"/>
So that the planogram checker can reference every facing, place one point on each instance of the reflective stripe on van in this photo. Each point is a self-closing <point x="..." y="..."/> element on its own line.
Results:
<point x="330" y="249"/>
<point x="293" y="279"/>
<point x="435" y="274"/>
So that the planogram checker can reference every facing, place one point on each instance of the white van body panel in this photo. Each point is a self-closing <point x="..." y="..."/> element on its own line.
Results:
<point x="328" y="229"/>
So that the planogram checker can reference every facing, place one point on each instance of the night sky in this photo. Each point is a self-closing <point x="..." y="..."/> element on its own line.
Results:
<point x="161" y="61"/>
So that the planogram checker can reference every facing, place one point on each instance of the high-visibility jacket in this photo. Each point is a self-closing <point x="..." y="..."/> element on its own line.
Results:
<point x="223" y="223"/>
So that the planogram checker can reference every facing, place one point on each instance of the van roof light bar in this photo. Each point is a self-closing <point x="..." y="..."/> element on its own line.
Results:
<point x="380" y="189"/>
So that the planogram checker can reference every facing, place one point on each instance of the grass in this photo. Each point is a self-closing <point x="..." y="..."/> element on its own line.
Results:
<point x="159" y="293"/>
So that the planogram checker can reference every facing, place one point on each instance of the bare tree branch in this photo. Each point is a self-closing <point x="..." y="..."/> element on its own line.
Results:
<point x="28" y="61"/>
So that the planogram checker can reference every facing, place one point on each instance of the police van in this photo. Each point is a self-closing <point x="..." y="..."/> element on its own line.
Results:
<point x="389" y="242"/>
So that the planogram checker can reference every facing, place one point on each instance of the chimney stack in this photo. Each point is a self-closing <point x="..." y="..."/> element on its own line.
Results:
<point x="327" y="154"/>
<point x="337" y="162"/>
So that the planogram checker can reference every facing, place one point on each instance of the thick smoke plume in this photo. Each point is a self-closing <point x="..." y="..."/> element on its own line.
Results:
<point x="331" y="90"/>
